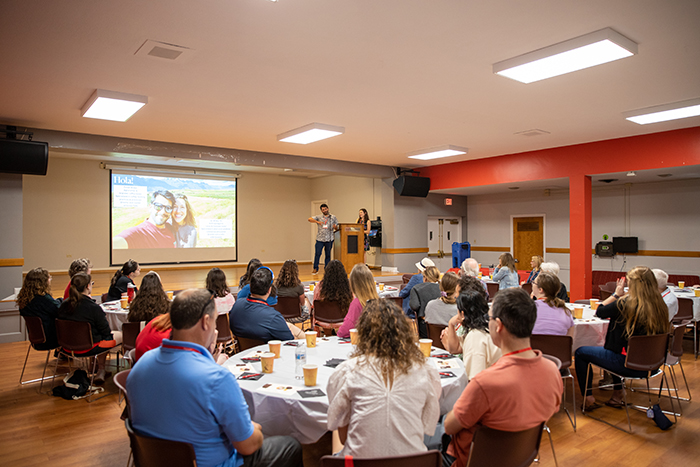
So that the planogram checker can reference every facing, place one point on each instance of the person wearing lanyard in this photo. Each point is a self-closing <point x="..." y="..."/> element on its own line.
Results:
<point x="178" y="392"/>
<point x="327" y="225"/>
<point x="520" y="391"/>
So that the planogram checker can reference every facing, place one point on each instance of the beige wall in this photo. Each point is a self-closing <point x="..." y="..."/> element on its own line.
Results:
<point x="345" y="195"/>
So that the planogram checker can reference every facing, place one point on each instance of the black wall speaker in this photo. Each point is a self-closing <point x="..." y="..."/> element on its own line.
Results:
<point x="412" y="186"/>
<point x="23" y="157"/>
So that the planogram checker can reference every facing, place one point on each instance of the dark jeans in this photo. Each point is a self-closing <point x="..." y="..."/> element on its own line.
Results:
<point x="321" y="246"/>
<point x="276" y="451"/>
<point x="606" y="359"/>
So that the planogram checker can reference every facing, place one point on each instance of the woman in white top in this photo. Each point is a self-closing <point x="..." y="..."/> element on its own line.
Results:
<point x="385" y="397"/>
<point x="440" y="310"/>
<point x="478" y="350"/>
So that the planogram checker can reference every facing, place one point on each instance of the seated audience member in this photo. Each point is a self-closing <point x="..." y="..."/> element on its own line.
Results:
<point x="80" y="307"/>
<point x="253" y="265"/>
<point x="470" y="268"/>
<point x="363" y="287"/>
<point x="151" y="301"/>
<point x="335" y="286"/>
<point x="553" y="268"/>
<point x="520" y="391"/>
<point x="385" y="396"/>
<point x="34" y="300"/>
<point x="152" y="335"/>
<point x="216" y="282"/>
<point x="453" y="335"/>
<point x="121" y="280"/>
<point x="553" y="317"/>
<point x="641" y="312"/>
<point x="178" y="392"/>
<point x="416" y="279"/>
<point x="535" y="264"/>
<point x="78" y="265"/>
<point x="506" y="273"/>
<point x="440" y="310"/>
<point x="670" y="299"/>
<point x="289" y="285"/>
<point x="253" y="318"/>
<point x="423" y="293"/>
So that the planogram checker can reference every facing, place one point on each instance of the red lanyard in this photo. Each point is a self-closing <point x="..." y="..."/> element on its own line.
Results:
<point x="179" y="347"/>
<point x="518" y="351"/>
<point x="255" y="300"/>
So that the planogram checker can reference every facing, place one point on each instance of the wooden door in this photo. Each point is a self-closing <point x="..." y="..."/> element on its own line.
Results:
<point x="528" y="240"/>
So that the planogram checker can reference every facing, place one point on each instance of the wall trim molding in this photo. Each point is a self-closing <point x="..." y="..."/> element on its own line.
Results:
<point x="11" y="262"/>
<point x="491" y="248"/>
<point x="399" y="251"/>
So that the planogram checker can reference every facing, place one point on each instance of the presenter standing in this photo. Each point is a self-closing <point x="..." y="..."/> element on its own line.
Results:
<point x="327" y="225"/>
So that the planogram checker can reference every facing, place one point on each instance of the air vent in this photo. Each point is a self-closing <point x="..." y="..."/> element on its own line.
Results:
<point x="533" y="132"/>
<point x="608" y="180"/>
<point x="163" y="50"/>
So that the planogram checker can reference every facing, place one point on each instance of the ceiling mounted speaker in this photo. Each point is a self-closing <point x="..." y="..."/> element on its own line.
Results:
<point x="23" y="157"/>
<point x="412" y="186"/>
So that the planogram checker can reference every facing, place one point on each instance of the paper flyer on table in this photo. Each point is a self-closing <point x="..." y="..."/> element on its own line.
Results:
<point x="274" y="388"/>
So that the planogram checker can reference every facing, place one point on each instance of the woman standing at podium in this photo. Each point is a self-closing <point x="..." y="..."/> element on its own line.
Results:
<point x="366" y="225"/>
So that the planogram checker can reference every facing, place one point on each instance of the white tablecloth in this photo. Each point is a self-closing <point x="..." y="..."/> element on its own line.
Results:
<point x="306" y="419"/>
<point x="116" y="316"/>
<point x="388" y="292"/>
<point x="688" y="293"/>
<point x="589" y="330"/>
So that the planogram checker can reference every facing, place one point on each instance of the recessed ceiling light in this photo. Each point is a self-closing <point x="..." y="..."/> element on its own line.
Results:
<point x="596" y="48"/>
<point x="111" y="105"/>
<point x="663" y="113"/>
<point x="447" y="150"/>
<point x="310" y="133"/>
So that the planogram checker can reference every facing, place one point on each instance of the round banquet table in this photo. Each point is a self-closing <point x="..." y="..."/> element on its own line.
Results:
<point x="589" y="330"/>
<point x="115" y="315"/>
<point x="306" y="418"/>
<point x="688" y="293"/>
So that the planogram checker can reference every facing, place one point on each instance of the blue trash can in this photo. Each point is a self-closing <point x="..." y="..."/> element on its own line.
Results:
<point x="460" y="252"/>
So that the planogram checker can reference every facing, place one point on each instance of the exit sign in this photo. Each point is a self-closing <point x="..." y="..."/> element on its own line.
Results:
<point x="448" y="201"/>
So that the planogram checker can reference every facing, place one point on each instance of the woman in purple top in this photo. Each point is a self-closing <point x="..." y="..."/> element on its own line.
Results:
<point x="553" y="317"/>
<point x="363" y="287"/>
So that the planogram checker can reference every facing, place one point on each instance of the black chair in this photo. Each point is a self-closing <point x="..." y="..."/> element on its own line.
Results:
<point x="157" y="452"/>
<point x="492" y="447"/>
<point x="492" y="289"/>
<point x="327" y="314"/>
<point x="424" y="459"/>
<point x="245" y="343"/>
<point x="37" y="337"/>
<point x="560" y="347"/>
<point x="434" y="331"/>
<point x="527" y="288"/>
<point x="225" y="335"/>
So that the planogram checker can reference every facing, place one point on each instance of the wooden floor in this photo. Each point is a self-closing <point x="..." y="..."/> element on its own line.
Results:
<point x="37" y="429"/>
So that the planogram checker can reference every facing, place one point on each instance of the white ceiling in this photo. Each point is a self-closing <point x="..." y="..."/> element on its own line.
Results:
<point x="399" y="75"/>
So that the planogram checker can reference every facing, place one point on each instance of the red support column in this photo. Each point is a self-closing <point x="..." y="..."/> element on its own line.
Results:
<point x="580" y="242"/>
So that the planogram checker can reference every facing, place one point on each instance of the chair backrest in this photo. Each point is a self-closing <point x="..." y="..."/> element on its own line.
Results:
<point x="604" y="294"/>
<point x="157" y="452"/>
<point x="557" y="346"/>
<point x="583" y="302"/>
<point x="328" y="311"/>
<point x="405" y="278"/>
<point x="103" y="297"/>
<point x="424" y="459"/>
<point x="74" y="336"/>
<point x="35" y="329"/>
<point x="224" y="328"/>
<point x="245" y="343"/>
<point x="609" y="286"/>
<point x="130" y="332"/>
<point x="504" y="448"/>
<point x="120" y="380"/>
<point x="527" y="288"/>
<point x="492" y="288"/>
<point x="398" y="301"/>
<point x="434" y="331"/>
<point x="646" y="353"/>
<point x="685" y="310"/>
<point x="289" y="307"/>
<point x="677" y="344"/>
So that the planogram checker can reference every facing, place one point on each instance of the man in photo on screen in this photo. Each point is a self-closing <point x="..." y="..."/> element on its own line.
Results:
<point x="154" y="232"/>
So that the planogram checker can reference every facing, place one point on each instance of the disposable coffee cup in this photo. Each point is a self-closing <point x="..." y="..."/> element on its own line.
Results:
<point x="594" y="305"/>
<point x="425" y="346"/>
<point x="353" y="336"/>
<point x="268" y="362"/>
<point x="381" y="286"/>
<point x="697" y="292"/>
<point x="311" y="287"/>
<point x="310" y="374"/>
<point x="170" y="294"/>
<point x="275" y="347"/>
<point x="310" y="339"/>
<point x="124" y="303"/>
<point x="681" y="284"/>
<point x="578" y="312"/>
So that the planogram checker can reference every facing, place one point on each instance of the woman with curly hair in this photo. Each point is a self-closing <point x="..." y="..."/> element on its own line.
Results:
<point x="35" y="300"/>
<point x="151" y="301"/>
<point x="244" y="284"/>
<point x="216" y="282"/>
<point x="385" y="397"/>
<point x="363" y="287"/>
<point x="184" y="223"/>
<point x="289" y="285"/>
<point x="122" y="278"/>
<point x="335" y="286"/>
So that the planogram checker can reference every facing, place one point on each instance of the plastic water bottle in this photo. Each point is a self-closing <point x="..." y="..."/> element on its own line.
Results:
<point x="300" y="358"/>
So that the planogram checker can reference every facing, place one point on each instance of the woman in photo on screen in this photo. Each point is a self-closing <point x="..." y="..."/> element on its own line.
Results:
<point x="366" y="225"/>
<point x="122" y="278"/>
<point x="151" y="301"/>
<point x="184" y="223"/>
<point x="385" y="397"/>
<point x="216" y="282"/>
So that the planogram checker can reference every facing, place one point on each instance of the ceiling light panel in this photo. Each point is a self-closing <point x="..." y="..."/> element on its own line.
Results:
<point x="664" y="113"/>
<point x="111" y="105"/>
<point x="438" y="152"/>
<point x="575" y="54"/>
<point x="310" y="133"/>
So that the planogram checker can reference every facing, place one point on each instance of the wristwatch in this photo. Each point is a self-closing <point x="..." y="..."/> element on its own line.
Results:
<point x="616" y="296"/>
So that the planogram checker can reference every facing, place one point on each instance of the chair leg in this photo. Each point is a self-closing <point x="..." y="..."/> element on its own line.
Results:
<point x="25" y="364"/>
<point x="690" y="397"/>
<point x="551" y="443"/>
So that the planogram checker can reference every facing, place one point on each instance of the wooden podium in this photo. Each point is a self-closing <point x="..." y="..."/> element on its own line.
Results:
<point x="349" y="245"/>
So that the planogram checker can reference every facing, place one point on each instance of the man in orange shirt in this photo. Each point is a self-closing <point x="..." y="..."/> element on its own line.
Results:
<point x="520" y="391"/>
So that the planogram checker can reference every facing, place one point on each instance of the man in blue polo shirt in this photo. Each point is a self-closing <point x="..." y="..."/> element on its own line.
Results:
<point x="253" y="318"/>
<point x="178" y="392"/>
